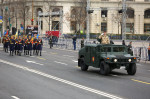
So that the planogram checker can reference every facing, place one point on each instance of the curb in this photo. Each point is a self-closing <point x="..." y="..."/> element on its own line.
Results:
<point x="148" y="62"/>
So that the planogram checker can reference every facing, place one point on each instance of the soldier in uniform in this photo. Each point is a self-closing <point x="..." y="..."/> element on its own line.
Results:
<point x="25" y="45"/>
<point x="104" y="38"/>
<point x="3" y="41"/>
<point x="35" y="41"/>
<point x="20" y="45"/>
<point x="29" y="44"/>
<point x="6" y="43"/>
<point x="16" y="45"/>
<point x="130" y="48"/>
<point x="39" y="46"/>
<point x="12" y="45"/>
<point x="50" y="42"/>
<point x="82" y="43"/>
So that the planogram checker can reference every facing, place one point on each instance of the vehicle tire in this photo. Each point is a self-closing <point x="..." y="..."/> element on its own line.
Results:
<point x="84" y="67"/>
<point x="131" y="70"/>
<point x="104" y="68"/>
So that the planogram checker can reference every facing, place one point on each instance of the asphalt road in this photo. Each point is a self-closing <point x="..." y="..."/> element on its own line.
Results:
<point x="55" y="75"/>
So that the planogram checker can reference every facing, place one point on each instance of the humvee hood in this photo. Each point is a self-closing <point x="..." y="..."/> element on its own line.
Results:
<point x="118" y="56"/>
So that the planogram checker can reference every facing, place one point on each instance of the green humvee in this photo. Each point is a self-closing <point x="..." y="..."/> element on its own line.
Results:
<point x="107" y="58"/>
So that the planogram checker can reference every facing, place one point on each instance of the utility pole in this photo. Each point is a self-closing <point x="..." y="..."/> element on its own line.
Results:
<point x="124" y="8"/>
<point x="88" y="21"/>
<point x="32" y="12"/>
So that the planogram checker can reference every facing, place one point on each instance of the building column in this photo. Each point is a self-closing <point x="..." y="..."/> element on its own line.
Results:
<point x="66" y="23"/>
<point x="95" y="23"/>
<point x="110" y="21"/>
<point x="139" y="22"/>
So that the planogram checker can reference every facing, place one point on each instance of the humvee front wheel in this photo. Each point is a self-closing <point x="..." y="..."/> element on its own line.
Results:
<point x="131" y="70"/>
<point x="104" y="68"/>
<point x="84" y="67"/>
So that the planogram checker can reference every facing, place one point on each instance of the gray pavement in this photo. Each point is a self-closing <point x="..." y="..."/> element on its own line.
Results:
<point x="55" y="75"/>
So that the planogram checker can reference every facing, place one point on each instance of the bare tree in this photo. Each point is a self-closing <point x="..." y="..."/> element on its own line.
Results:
<point x="78" y="14"/>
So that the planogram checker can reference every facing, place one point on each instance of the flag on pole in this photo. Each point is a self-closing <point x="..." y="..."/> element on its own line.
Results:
<point x="7" y="32"/>
<point x="37" y="36"/>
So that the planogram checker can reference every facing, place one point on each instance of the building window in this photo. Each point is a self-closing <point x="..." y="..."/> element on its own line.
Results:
<point x="38" y="10"/>
<point x="56" y="10"/>
<point x="55" y="25"/>
<point x="147" y="13"/>
<point x="130" y="13"/>
<point x="130" y="27"/>
<point x="104" y="13"/>
<point x="147" y="28"/>
<point x="103" y="27"/>
<point x="41" y="24"/>
<point x="73" y="25"/>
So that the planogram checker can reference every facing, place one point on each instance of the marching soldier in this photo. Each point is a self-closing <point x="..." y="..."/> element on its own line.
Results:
<point x="25" y="45"/>
<point x="104" y="38"/>
<point x="3" y="41"/>
<point x="35" y="41"/>
<point x="16" y="45"/>
<point x="20" y="45"/>
<point x="29" y="44"/>
<point x="39" y="46"/>
<point x="6" y="43"/>
<point x="12" y="45"/>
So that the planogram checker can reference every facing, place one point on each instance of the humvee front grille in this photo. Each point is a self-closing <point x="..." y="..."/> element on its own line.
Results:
<point x="122" y="60"/>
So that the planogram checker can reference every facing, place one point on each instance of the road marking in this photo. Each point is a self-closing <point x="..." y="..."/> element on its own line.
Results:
<point x="77" y="66"/>
<point x="115" y="75"/>
<point x="68" y="56"/>
<point x="139" y="64"/>
<point x="98" y="92"/>
<point x="60" y="63"/>
<point x="140" y="81"/>
<point x="15" y="97"/>
<point x="53" y="53"/>
<point x="33" y="62"/>
<point x="44" y="51"/>
<point x="75" y="61"/>
<point x="41" y="58"/>
<point x="32" y="56"/>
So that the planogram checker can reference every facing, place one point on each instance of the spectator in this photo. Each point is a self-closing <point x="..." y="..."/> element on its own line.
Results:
<point x="74" y="41"/>
<point x="130" y="48"/>
<point x="123" y="42"/>
<point x="149" y="52"/>
<point x="82" y="42"/>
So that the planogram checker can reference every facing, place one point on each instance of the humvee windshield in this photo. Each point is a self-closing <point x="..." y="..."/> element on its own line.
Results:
<point x="113" y="49"/>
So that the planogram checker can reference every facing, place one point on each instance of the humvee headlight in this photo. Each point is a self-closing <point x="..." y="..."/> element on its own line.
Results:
<point x="129" y="60"/>
<point x="115" y="60"/>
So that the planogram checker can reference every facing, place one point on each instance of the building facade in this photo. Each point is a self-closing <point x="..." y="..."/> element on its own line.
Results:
<point x="105" y="18"/>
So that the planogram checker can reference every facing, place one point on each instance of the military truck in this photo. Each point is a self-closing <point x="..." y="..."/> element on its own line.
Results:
<point x="107" y="58"/>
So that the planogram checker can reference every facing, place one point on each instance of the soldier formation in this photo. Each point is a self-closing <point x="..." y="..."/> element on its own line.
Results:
<point x="16" y="45"/>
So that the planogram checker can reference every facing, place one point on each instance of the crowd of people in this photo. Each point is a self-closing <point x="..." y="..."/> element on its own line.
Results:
<point x="18" y="44"/>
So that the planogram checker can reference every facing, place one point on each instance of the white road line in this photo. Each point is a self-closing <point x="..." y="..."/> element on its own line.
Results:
<point x="68" y="56"/>
<point x="75" y="61"/>
<point x="138" y="64"/>
<point x="98" y="92"/>
<point x="33" y="62"/>
<point x="115" y="75"/>
<point x="32" y="56"/>
<point x="15" y="97"/>
<point x="60" y="63"/>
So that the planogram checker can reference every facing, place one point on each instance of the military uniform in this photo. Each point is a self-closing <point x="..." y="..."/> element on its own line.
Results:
<point x="25" y="46"/>
<point x="104" y="39"/>
<point x="35" y="41"/>
<point x="149" y="52"/>
<point x="29" y="44"/>
<point x="16" y="46"/>
<point x="39" y="46"/>
<point x="6" y="44"/>
<point x="12" y="46"/>
<point x="20" y="46"/>
<point x="82" y="43"/>
<point x="50" y="42"/>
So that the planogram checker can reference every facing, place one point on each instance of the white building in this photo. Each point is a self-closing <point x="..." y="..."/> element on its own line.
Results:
<point x="108" y="19"/>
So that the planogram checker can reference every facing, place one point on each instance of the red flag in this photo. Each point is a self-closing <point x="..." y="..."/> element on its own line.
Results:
<point x="7" y="32"/>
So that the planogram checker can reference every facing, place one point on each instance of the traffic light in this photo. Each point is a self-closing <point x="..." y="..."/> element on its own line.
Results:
<point x="32" y="20"/>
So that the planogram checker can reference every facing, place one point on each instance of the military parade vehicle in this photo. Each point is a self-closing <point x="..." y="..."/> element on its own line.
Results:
<point x="107" y="58"/>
